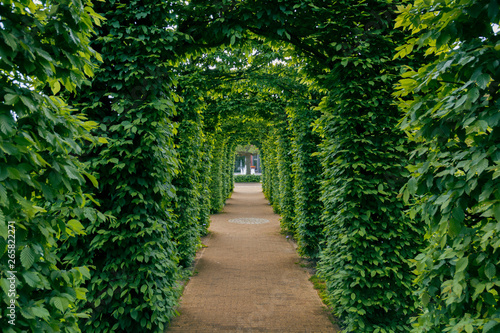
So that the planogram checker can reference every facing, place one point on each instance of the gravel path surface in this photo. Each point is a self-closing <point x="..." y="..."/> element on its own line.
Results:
<point x="248" y="277"/>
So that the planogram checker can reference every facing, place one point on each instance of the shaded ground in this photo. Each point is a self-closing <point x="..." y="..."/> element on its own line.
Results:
<point x="248" y="278"/>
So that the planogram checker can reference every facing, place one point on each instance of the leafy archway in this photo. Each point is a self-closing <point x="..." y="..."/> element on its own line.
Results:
<point x="314" y="84"/>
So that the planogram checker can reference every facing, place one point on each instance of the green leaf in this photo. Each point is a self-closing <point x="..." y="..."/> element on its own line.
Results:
<point x="483" y="80"/>
<point x="44" y="55"/>
<point x="490" y="271"/>
<point x="92" y="179"/>
<point x="28" y="102"/>
<point x="5" y="284"/>
<point x="4" y="231"/>
<point x="481" y="166"/>
<point x="461" y="101"/>
<point x="76" y="226"/>
<point x="31" y="278"/>
<point x="84" y="271"/>
<point x="493" y="10"/>
<point x="27" y="257"/>
<point x="461" y="264"/>
<point x="11" y="99"/>
<point x="80" y="293"/>
<point x="55" y="87"/>
<point x="9" y="149"/>
<point x="412" y="185"/>
<point x="454" y="227"/>
<point x="489" y="325"/>
<point x="473" y="94"/>
<point x="479" y="288"/>
<point x="7" y="124"/>
<point x="40" y="312"/>
<point x="3" y="198"/>
<point x="496" y="211"/>
<point x="72" y="172"/>
<point x="10" y="40"/>
<point x="58" y="303"/>
<point x="457" y="288"/>
<point x="458" y="214"/>
<point x="425" y="299"/>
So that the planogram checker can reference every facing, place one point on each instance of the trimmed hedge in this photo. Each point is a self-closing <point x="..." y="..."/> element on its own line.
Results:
<point x="369" y="238"/>
<point x="221" y="173"/>
<point x="164" y="164"/>
<point x="204" y="185"/>
<point x="217" y="195"/>
<point x="43" y="197"/>
<point x="270" y="180"/>
<point x="186" y="230"/>
<point x="307" y="172"/>
<point x="247" y="178"/>
<point x="285" y="179"/>
<point x="452" y="104"/>
<point x="134" y="286"/>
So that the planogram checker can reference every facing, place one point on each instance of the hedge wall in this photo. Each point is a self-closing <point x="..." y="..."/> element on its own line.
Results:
<point x="247" y="178"/>
<point x="43" y="49"/>
<point x="451" y="104"/>
<point x="284" y="160"/>
<point x="307" y="173"/>
<point x="216" y="171"/>
<point x="270" y="180"/>
<point x="229" y="160"/>
<point x="204" y="185"/>
<point x="369" y="238"/>
<point x="158" y="171"/>
<point x="187" y="229"/>
<point x="134" y="285"/>
<point x="221" y="173"/>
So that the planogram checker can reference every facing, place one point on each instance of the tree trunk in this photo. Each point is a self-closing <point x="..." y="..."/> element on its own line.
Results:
<point x="247" y="164"/>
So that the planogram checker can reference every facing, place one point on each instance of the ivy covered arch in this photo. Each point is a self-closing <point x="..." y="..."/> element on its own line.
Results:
<point x="370" y="175"/>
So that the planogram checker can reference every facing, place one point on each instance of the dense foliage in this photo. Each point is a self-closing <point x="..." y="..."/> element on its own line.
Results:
<point x="247" y="178"/>
<point x="285" y="198"/>
<point x="369" y="179"/>
<point x="270" y="178"/>
<point x="44" y="49"/>
<point x="307" y="172"/>
<point x="187" y="228"/>
<point x="216" y="173"/>
<point x="133" y="287"/>
<point x="369" y="239"/>
<point x="451" y="104"/>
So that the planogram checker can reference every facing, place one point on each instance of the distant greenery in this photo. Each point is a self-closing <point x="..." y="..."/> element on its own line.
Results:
<point x="247" y="178"/>
<point x="247" y="149"/>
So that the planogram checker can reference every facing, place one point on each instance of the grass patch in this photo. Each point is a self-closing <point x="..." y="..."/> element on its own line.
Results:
<point x="320" y="286"/>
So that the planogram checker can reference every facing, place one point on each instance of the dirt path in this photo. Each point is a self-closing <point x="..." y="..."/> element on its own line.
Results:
<point x="248" y="279"/>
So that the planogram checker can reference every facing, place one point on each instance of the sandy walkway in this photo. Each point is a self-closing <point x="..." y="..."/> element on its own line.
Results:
<point x="248" y="278"/>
